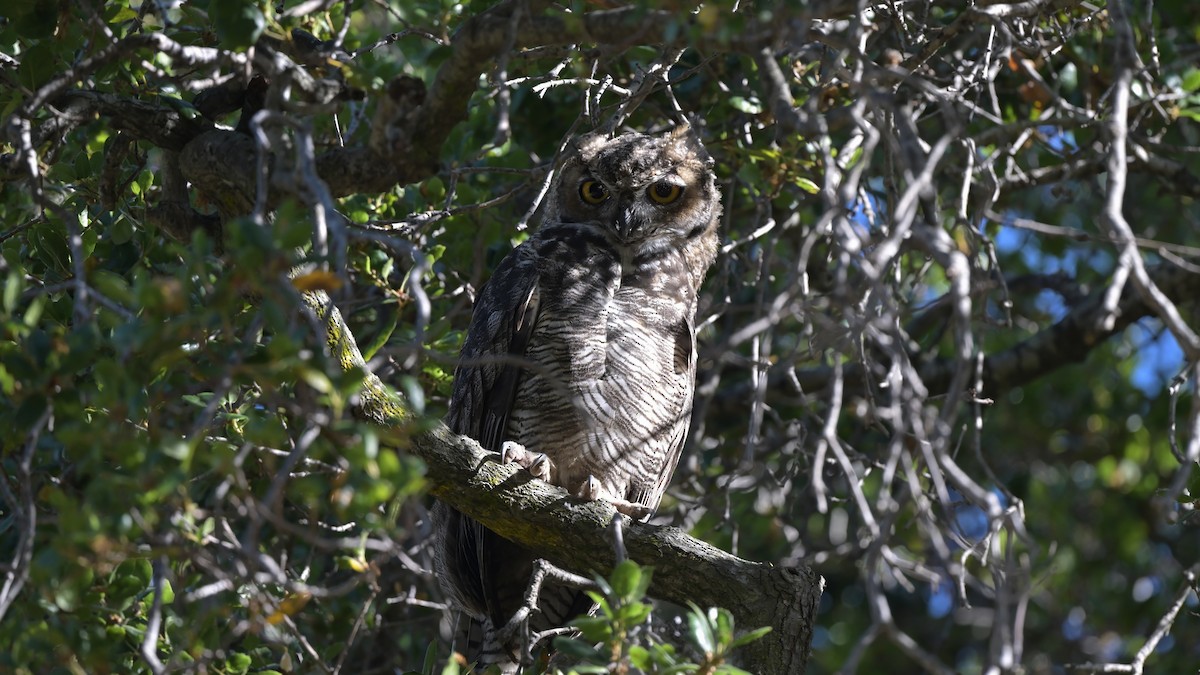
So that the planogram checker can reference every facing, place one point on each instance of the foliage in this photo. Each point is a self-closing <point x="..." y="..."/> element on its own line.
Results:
<point x="927" y="205"/>
<point x="620" y="637"/>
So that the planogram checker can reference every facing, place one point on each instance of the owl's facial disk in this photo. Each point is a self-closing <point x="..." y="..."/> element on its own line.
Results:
<point x="638" y="188"/>
<point x="631" y="211"/>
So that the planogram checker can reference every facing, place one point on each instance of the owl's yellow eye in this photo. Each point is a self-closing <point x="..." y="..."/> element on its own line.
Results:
<point x="664" y="193"/>
<point x="592" y="192"/>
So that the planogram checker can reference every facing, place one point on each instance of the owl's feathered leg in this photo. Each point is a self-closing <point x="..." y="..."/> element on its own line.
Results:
<point x="536" y="463"/>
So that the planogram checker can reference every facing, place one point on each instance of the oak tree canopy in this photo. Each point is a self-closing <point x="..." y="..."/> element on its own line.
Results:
<point x="947" y="357"/>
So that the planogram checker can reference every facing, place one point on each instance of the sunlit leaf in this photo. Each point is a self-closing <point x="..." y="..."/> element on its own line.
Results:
<point x="290" y="605"/>
<point x="317" y="280"/>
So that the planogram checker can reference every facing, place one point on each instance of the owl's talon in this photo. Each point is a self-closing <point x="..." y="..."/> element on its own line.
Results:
<point x="536" y="463"/>
<point x="512" y="452"/>
<point x="635" y="511"/>
<point x="540" y="466"/>
<point x="593" y="490"/>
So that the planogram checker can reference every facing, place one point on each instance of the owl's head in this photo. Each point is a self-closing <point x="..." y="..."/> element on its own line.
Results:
<point x="638" y="187"/>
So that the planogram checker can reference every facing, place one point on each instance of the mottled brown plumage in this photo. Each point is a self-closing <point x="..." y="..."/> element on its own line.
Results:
<point x="582" y="350"/>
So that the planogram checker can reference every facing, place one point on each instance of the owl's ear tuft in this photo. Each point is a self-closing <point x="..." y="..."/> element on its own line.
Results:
<point x="680" y="131"/>
<point x="686" y="143"/>
<point x="588" y="145"/>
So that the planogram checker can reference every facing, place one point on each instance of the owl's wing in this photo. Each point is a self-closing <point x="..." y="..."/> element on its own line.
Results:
<point x="491" y="364"/>
<point x="498" y="399"/>
<point x="488" y="568"/>
<point x="650" y="494"/>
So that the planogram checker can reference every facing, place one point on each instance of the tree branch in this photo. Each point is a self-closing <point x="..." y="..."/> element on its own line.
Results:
<point x="574" y="534"/>
<point x="411" y="125"/>
<point x="1066" y="342"/>
<point x="1073" y="338"/>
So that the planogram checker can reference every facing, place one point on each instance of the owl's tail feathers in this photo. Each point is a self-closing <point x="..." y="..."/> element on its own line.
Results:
<point x="484" y="647"/>
<point x="495" y="653"/>
<point x="502" y="647"/>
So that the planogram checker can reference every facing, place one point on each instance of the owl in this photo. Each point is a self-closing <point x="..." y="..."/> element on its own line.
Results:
<point x="580" y="360"/>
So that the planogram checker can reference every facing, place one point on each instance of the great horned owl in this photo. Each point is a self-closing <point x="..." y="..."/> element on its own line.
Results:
<point x="580" y="360"/>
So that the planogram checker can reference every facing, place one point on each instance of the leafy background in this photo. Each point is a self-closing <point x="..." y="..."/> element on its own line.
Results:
<point x="185" y="485"/>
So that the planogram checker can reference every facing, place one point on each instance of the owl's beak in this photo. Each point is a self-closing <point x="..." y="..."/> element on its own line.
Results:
<point x="628" y="221"/>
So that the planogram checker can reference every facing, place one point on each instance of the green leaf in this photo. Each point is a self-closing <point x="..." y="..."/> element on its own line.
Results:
<point x="317" y="380"/>
<point x="237" y="23"/>
<point x="8" y="383"/>
<point x="594" y="628"/>
<point x="626" y="578"/>
<point x="723" y="621"/>
<point x="750" y="636"/>
<point x="639" y="656"/>
<point x="605" y="587"/>
<point x="118" y="14"/>
<point x="238" y="663"/>
<point x="1190" y="113"/>
<point x="700" y="631"/>
<point x="748" y="106"/>
<point x="807" y="185"/>
<point x="1068" y="78"/>
<point x="37" y="66"/>
<point x="113" y="286"/>
<point x="1191" y="80"/>
<point x="430" y="659"/>
<point x="390" y="319"/>
<point x="413" y="393"/>
<point x="605" y="609"/>
<point x="34" y="311"/>
<point x="577" y="649"/>
<point x="34" y="20"/>
<point x="177" y="449"/>
<point x="121" y="231"/>
<point x="12" y="290"/>
<point x="633" y="614"/>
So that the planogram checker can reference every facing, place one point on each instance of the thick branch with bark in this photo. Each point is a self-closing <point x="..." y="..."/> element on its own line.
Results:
<point x="1074" y="337"/>
<point x="575" y="534"/>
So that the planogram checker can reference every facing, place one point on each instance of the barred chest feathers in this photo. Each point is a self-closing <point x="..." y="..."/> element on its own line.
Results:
<point x="617" y="345"/>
